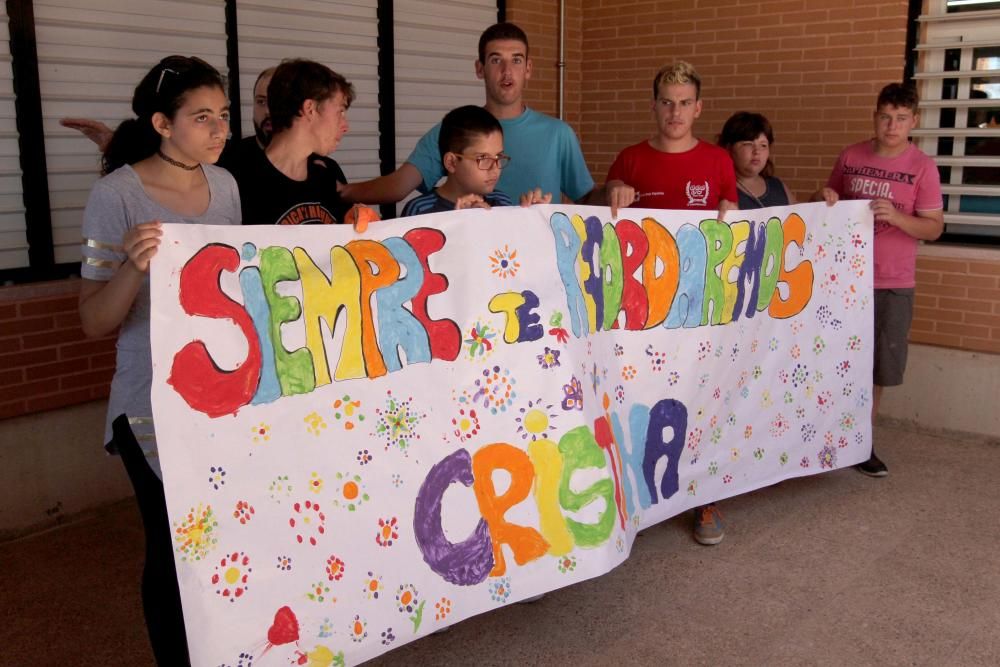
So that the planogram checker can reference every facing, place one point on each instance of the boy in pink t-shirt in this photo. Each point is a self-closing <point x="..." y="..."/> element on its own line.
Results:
<point x="906" y="191"/>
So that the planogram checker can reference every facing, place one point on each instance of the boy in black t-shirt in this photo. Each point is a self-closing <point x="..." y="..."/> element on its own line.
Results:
<point x="291" y="182"/>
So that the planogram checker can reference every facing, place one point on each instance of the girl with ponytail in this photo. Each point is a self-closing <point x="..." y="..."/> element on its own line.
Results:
<point x="159" y="168"/>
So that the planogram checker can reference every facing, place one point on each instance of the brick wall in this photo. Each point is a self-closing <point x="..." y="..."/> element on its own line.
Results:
<point x="813" y="67"/>
<point x="957" y="303"/>
<point x="45" y="361"/>
<point x="540" y="20"/>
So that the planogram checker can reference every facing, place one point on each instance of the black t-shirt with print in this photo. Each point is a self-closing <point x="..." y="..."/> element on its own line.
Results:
<point x="268" y="197"/>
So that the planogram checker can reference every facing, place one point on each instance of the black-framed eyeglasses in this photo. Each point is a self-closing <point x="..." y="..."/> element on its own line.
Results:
<point x="486" y="162"/>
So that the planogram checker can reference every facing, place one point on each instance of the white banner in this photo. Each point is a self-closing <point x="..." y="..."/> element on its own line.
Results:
<point x="366" y="439"/>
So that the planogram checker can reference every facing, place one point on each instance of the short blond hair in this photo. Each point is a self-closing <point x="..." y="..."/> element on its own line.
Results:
<point x="680" y="72"/>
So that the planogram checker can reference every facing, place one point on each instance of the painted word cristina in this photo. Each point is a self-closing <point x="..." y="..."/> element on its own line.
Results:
<point x="628" y="275"/>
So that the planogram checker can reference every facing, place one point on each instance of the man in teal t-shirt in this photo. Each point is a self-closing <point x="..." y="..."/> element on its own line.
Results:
<point x="545" y="153"/>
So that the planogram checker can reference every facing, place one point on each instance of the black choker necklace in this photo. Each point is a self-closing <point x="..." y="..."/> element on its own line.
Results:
<point x="176" y="163"/>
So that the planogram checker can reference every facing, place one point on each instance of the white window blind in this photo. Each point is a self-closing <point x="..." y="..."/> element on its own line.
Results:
<point x="13" y="238"/>
<point x="958" y="74"/>
<point x="343" y="36"/>
<point x="436" y="49"/>
<point x="91" y="55"/>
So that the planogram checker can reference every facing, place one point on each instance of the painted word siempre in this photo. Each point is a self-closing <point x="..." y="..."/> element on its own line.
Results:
<point x="548" y="469"/>
<point x="704" y="275"/>
<point x="360" y="269"/>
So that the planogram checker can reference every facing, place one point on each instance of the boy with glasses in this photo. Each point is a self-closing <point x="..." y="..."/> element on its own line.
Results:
<point x="471" y="149"/>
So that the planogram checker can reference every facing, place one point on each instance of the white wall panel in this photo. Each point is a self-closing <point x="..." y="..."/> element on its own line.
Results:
<point x="13" y="240"/>
<point x="341" y="35"/>
<point x="91" y="55"/>
<point x="436" y="50"/>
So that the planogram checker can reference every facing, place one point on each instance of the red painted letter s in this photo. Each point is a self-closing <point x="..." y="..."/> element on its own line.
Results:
<point x="194" y="374"/>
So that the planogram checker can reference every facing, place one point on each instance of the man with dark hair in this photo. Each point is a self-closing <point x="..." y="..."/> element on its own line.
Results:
<point x="905" y="189"/>
<point x="291" y="182"/>
<point x="544" y="149"/>
<point x="471" y="149"/>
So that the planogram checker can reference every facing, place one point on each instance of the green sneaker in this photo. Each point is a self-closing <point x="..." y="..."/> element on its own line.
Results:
<point x="708" y="526"/>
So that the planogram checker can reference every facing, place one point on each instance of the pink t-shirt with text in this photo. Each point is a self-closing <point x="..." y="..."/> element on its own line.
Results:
<point x="911" y="181"/>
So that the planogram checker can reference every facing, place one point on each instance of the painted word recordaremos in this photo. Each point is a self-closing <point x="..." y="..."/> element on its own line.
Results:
<point x="702" y="276"/>
<point x="546" y="470"/>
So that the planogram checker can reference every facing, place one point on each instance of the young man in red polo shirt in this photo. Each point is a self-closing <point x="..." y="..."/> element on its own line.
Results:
<point x="676" y="170"/>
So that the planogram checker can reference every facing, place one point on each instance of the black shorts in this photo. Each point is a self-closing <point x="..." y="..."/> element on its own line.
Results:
<point x="893" y="315"/>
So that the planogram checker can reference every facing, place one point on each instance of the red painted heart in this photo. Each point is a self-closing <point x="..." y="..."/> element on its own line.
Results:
<point x="285" y="628"/>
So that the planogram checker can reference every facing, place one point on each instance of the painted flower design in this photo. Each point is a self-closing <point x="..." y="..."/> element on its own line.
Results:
<point x="387" y="532"/>
<point x="315" y="424"/>
<point x="566" y="564"/>
<point x="284" y="563"/>
<point x="441" y="609"/>
<point x="279" y="488"/>
<point x="359" y="629"/>
<point x="407" y="599"/>
<point x="315" y="483"/>
<point x="349" y="491"/>
<point x="504" y="263"/>
<point x="231" y="575"/>
<point x="216" y="477"/>
<point x="572" y="395"/>
<point x="827" y="457"/>
<point x="261" y="432"/>
<point x="500" y="590"/>
<point x="535" y="421"/>
<point x="779" y="426"/>
<point x="847" y="421"/>
<point x="480" y="340"/>
<point x="243" y="512"/>
<point x="397" y="422"/>
<point x="465" y="426"/>
<point x="372" y="588"/>
<point x="549" y="358"/>
<point x="195" y="534"/>
<point x="348" y="412"/>
<point x="308" y="521"/>
<point x="409" y="602"/>
<point x="320" y="592"/>
<point x="694" y="438"/>
<point x="335" y="568"/>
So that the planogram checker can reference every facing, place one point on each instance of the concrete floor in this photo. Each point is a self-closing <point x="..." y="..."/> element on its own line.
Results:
<point x="837" y="569"/>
